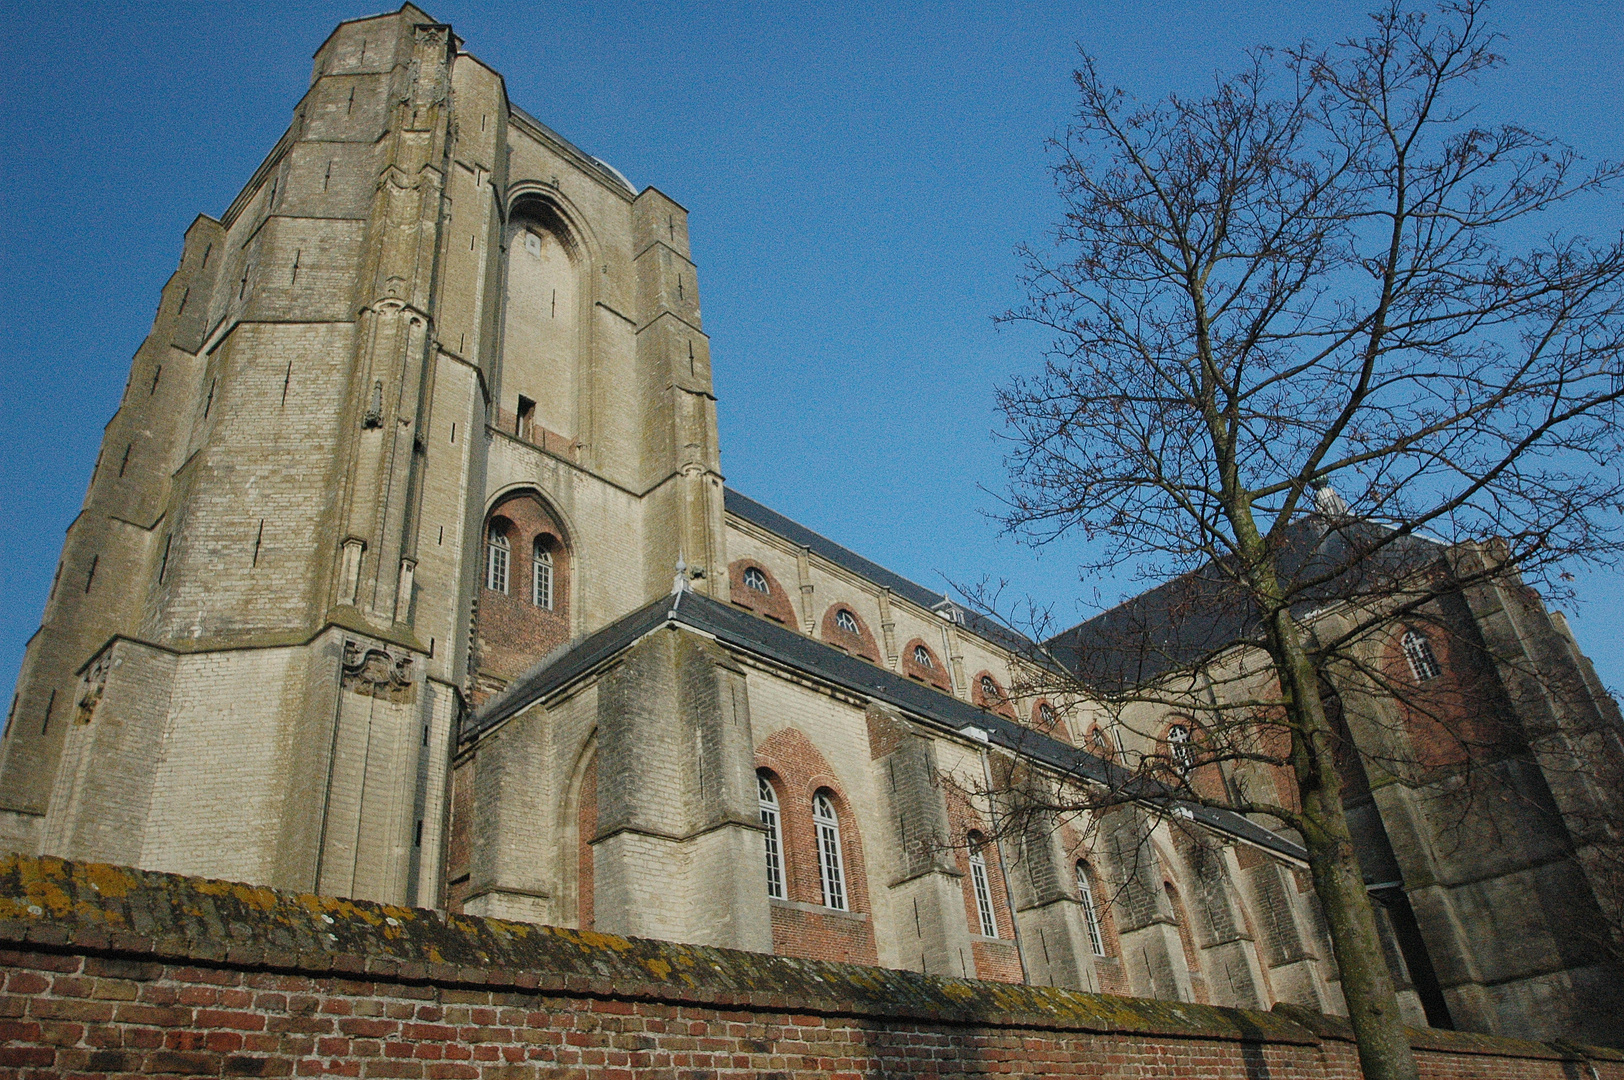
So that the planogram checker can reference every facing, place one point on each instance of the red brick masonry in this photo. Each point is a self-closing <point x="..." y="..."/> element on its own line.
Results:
<point x="112" y="972"/>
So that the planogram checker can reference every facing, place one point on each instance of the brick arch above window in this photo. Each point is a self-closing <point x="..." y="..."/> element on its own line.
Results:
<point x="988" y="693"/>
<point x="512" y="629"/>
<point x="837" y="631"/>
<point x="1047" y="719"/>
<point x="920" y="662"/>
<point x="745" y="577"/>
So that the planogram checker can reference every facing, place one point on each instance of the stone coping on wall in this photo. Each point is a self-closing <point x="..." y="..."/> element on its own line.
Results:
<point x="49" y="904"/>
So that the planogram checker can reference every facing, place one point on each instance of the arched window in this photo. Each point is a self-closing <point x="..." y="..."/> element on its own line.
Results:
<point x="1098" y="744"/>
<point x="755" y="579"/>
<point x="846" y="621"/>
<point x="775" y="837"/>
<point x="989" y="690"/>
<point x="1178" y="740"/>
<point x="1091" y="914"/>
<point x="496" y="561"/>
<point x="541" y="577"/>
<point x="1045" y="715"/>
<point x="922" y="658"/>
<point x="983" y="891"/>
<point x="830" y="868"/>
<point x="1423" y="661"/>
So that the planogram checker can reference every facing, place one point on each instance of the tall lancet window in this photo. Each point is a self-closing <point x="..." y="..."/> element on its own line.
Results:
<point x="541" y="577"/>
<point x="775" y="837"/>
<point x="830" y="868"/>
<point x="1091" y="913"/>
<point x="983" y="890"/>
<point x="496" y="561"/>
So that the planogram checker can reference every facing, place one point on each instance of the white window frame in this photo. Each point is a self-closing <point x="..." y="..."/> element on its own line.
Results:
<point x="541" y="577"/>
<point x="831" y="864"/>
<point x="990" y="690"/>
<point x="983" y="891"/>
<point x="1424" y="666"/>
<point x="846" y="622"/>
<point x="754" y="574"/>
<point x="1091" y="914"/>
<point x="921" y="656"/>
<point x="497" y="551"/>
<point x="768" y="801"/>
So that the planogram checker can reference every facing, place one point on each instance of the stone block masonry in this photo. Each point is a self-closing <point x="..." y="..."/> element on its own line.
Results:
<point x="112" y="972"/>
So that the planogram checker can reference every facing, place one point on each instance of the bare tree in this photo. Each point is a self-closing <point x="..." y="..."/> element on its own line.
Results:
<point x="1302" y="325"/>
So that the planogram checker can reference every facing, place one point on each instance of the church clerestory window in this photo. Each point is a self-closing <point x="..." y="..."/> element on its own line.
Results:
<point x="1091" y="913"/>
<point x="846" y="621"/>
<point x="1424" y="664"/>
<point x="921" y="657"/>
<point x="1178" y="740"/>
<point x="755" y="579"/>
<point x="831" y="870"/>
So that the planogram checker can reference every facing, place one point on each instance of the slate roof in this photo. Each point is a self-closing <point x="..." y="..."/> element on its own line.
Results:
<point x="1190" y="619"/>
<point x="743" y="506"/>
<point x="748" y="633"/>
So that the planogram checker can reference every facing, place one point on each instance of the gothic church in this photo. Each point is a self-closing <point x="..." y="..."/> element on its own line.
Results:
<point x="407" y="572"/>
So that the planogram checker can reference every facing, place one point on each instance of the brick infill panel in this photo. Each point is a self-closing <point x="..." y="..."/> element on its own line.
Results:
<point x="111" y="970"/>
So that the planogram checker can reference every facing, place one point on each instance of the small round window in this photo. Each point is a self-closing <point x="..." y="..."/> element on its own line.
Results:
<point x="756" y="579"/>
<point x="846" y="622"/>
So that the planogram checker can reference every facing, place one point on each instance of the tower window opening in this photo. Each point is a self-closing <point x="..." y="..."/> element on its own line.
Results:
<point x="125" y="462"/>
<point x="768" y="801"/>
<point x="983" y="891"/>
<point x="1424" y="664"/>
<point x="91" y="576"/>
<point x="846" y="621"/>
<point x="524" y="424"/>
<point x="830" y="868"/>
<point x="496" y="562"/>
<point x="1091" y="914"/>
<point x="541" y="577"/>
<point x="755" y="579"/>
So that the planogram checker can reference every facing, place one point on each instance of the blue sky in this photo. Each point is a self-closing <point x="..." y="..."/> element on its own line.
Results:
<point x="858" y="176"/>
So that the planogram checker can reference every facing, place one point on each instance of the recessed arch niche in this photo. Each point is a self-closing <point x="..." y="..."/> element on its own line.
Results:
<point x="541" y="326"/>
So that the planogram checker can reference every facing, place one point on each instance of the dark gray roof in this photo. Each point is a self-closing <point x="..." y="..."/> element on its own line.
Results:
<point x="1187" y="621"/>
<point x="749" y="633"/>
<point x="747" y="508"/>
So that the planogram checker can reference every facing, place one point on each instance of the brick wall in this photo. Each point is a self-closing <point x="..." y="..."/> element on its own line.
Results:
<point x="119" y="972"/>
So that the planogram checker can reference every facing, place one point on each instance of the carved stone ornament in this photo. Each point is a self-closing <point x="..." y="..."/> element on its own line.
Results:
<point x="377" y="673"/>
<point x="95" y="684"/>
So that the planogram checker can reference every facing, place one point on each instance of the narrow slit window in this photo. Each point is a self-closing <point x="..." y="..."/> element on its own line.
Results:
<point x="1091" y="914"/>
<point x="541" y="577"/>
<point x="983" y="890"/>
<point x="1424" y="664"/>
<point x="768" y="799"/>
<point x="496" y="562"/>
<point x="830" y="867"/>
<point x="124" y="463"/>
<point x="524" y="422"/>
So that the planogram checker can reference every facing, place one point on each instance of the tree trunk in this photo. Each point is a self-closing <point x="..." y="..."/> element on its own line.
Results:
<point x="1367" y="985"/>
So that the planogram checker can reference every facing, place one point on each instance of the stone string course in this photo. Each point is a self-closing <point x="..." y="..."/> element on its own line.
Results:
<point x="111" y="972"/>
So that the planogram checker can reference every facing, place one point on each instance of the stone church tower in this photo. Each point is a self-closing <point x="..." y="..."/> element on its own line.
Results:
<point x="407" y="573"/>
<point x="424" y="304"/>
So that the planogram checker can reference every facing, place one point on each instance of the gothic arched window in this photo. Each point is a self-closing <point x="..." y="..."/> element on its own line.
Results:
<point x="1423" y="661"/>
<point x="831" y="870"/>
<point x="990" y="691"/>
<point x="846" y="621"/>
<point x="922" y="658"/>
<point x="496" y="560"/>
<point x="755" y="579"/>
<point x="1091" y="913"/>
<point x="768" y="801"/>
<point x="983" y="891"/>
<point x="541" y="576"/>
<point x="1178" y="740"/>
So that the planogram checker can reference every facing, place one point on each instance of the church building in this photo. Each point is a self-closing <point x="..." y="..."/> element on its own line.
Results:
<point x="408" y="572"/>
